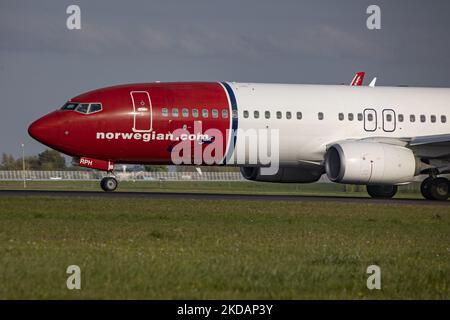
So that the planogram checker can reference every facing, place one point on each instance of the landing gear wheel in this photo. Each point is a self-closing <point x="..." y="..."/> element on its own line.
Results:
<point x="425" y="188"/>
<point x="108" y="184"/>
<point x="381" y="191"/>
<point x="439" y="189"/>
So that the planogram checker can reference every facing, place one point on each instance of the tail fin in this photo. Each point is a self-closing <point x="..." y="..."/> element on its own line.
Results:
<point x="358" y="79"/>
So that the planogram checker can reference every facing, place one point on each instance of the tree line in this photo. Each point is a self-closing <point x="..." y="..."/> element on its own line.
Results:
<point x="46" y="160"/>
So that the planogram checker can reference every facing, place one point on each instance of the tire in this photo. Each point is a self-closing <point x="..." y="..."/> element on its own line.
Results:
<point x="425" y="188"/>
<point x="108" y="184"/>
<point x="381" y="191"/>
<point x="439" y="189"/>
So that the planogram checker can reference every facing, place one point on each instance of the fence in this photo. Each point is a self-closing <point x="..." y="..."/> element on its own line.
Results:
<point x="128" y="176"/>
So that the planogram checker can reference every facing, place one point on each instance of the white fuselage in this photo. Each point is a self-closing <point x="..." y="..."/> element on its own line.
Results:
<point x="384" y="112"/>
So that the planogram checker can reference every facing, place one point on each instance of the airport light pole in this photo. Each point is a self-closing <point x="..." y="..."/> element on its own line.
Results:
<point x="23" y="166"/>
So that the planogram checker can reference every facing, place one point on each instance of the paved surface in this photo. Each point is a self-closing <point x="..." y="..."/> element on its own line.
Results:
<point x="213" y="196"/>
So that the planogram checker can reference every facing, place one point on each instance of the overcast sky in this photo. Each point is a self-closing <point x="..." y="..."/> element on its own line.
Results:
<point x="43" y="64"/>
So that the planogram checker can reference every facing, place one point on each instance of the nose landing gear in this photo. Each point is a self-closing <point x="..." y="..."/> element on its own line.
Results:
<point x="109" y="184"/>
<point x="433" y="188"/>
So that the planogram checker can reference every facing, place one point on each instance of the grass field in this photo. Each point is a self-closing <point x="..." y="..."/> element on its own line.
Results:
<point x="157" y="249"/>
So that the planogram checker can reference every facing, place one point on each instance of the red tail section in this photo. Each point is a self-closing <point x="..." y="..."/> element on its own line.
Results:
<point x="358" y="79"/>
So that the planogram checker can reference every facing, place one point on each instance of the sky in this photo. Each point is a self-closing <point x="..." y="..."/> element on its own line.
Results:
<point x="43" y="64"/>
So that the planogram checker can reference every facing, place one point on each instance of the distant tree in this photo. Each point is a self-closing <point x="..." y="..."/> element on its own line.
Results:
<point x="152" y="168"/>
<point x="31" y="163"/>
<point x="9" y="163"/>
<point x="51" y="160"/>
<point x="47" y="160"/>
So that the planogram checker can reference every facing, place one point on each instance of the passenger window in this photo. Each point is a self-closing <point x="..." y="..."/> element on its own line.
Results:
<point x="400" y="118"/>
<point x="83" y="108"/>
<point x="185" y="112"/>
<point x="95" y="107"/>
<point x="214" y="113"/>
<point x="165" y="112"/>
<point x="267" y="114"/>
<point x="234" y="114"/>
<point x="389" y="117"/>
<point x="443" y="119"/>
<point x="205" y="113"/>
<point x="195" y="113"/>
<point x="422" y="118"/>
<point x="245" y="114"/>
<point x="279" y="114"/>
<point x="288" y="115"/>
<point x="350" y="116"/>
<point x="69" y="106"/>
<point x="256" y="114"/>
<point x="412" y="118"/>
<point x="369" y="117"/>
<point x="341" y="116"/>
<point x="175" y="112"/>
<point x="320" y="115"/>
<point x="224" y="114"/>
<point x="299" y="115"/>
<point x="360" y="117"/>
<point x="433" y="118"/>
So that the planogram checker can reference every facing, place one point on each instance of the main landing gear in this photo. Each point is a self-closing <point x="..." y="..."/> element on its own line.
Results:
<point x="435" y="188"/>
<point x="432" y="188"/>
<point x="109" y="184"/>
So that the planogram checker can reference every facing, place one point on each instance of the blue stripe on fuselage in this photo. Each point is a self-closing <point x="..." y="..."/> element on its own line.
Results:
<point x="234" y="122"/>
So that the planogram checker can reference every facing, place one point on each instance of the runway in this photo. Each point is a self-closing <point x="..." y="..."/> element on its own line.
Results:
<point x="222" y="196"/>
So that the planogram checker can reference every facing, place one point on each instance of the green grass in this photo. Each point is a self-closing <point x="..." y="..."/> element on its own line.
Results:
<point x="158" y="249"/>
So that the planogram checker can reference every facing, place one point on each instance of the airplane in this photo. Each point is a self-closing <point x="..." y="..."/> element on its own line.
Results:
<point x="381" y="137"/>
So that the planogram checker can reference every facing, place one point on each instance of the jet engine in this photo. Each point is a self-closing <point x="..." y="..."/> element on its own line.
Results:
<point x="359" y="162"/>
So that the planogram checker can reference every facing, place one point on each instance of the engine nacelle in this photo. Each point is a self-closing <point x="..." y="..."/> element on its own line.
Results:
<point x="359" y="162"/>
<point x="301" y="174"/>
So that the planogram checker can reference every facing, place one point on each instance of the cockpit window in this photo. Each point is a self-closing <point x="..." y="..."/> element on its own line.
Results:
<point x="86" y="108"/>
<point x="83" y="108"/>
<point x="95" y="107"/>
<point x="69" y="106"/>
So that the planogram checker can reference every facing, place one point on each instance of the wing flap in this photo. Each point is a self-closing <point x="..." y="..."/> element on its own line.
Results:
<point x="440" y="140"/>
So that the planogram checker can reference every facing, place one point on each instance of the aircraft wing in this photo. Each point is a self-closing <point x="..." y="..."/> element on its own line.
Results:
<point x="428" y="147"/>
<point x="441" y="140"/>
<point x="431" y="147"/>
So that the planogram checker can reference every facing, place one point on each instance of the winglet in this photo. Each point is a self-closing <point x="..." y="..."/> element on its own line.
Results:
<point x="373" y="82"/>
<point x="358" y="79"/>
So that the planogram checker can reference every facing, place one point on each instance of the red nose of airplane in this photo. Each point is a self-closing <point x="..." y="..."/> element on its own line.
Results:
<point x="46" y="130"/>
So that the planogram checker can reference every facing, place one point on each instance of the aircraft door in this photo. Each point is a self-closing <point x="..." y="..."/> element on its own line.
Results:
<point x="389" y="120"/>
<point x="370" y="120"/>
<point x="142" y="111"/>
